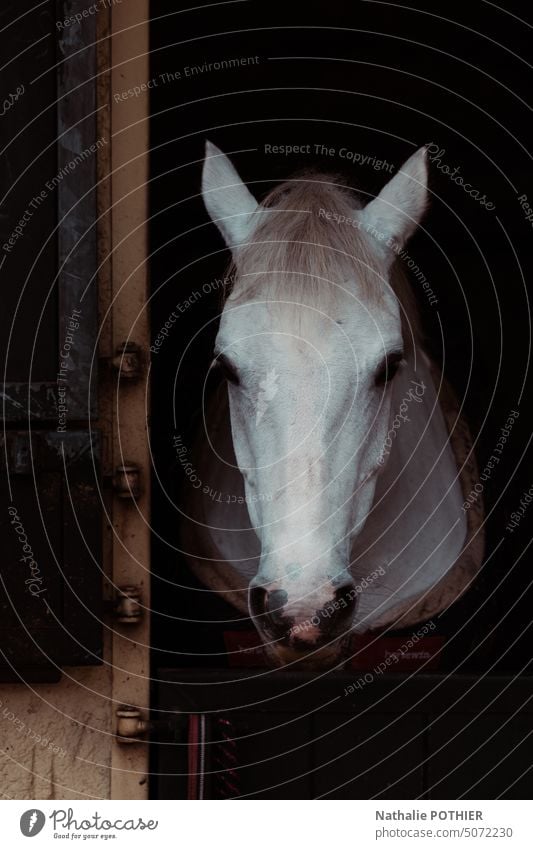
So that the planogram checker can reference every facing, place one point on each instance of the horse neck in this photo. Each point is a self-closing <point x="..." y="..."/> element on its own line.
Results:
<point x="415" y="530"/>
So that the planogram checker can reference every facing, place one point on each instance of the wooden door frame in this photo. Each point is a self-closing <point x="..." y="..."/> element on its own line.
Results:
<point x="123" y="62"/>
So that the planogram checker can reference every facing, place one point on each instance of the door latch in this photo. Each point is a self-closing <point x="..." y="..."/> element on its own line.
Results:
<point x="127" y="481"/>
<point x="127" y="361"/>
<point x="127" y="606"/>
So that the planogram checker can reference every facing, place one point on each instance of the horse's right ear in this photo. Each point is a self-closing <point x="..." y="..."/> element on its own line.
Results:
<point x="394" y="215"/>
<point x="229" y="203"/>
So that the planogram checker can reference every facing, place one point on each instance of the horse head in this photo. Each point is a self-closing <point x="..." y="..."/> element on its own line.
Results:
<point x="310" y="342"/>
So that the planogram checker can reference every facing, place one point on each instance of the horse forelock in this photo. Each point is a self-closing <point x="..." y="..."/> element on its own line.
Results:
<point x="308" y="248"/>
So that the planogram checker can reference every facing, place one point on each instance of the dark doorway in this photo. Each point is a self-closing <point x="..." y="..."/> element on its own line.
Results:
<point x="377" y="80"/>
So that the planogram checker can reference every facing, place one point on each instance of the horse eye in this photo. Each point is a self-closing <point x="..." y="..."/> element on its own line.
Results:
<point x="389" y="368"/>
<point x="226" y="369"/>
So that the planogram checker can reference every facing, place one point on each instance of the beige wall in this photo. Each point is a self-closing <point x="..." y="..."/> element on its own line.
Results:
<point x="56" y="741"/>
<point x="131" y="540"/>
<point x="56" y="738"/>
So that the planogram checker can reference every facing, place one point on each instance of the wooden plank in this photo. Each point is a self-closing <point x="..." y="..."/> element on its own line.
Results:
<point x="131" y="522"/>
<point x="227" y="689"/>
<point x="379" y="740"/>
<point x="252" y="755"/>
<point x="273" y="755"/>
<point x="372" y="756"/>
<point x="486" y="758"/>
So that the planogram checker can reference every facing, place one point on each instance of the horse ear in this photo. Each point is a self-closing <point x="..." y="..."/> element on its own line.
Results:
<point x="229" y="203"/>
<point x="394" y="215"/>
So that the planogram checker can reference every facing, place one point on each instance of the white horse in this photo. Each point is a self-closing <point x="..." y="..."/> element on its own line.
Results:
<point x="333" y="504"/>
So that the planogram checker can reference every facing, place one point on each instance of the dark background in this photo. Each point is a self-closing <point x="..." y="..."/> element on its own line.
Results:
<point x="27" y="162"/>
<point x="50" y="475"/>
<point x="382" y="80"/>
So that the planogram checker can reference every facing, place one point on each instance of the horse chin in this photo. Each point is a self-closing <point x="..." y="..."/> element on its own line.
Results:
<point x="328" y="657"/>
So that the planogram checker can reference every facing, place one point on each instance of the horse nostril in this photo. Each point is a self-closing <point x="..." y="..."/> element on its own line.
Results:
<point x="267" y="608"/>
<point x="335" y="618"/>
<point x="274" y="619"/>
<point x="346" y="597"/>
<point x="276" y="601"/>
<point x="258" y="601"/>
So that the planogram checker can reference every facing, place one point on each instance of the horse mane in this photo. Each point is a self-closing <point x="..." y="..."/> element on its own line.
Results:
<point x="308" y="246"/>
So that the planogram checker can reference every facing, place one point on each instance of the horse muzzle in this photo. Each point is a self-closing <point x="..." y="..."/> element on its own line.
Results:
<point x="312" y="627"/>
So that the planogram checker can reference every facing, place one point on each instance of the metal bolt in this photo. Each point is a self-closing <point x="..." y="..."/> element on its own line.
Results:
<point x="127" y="361"/>
<point x="130" y="725"/>
<point x="127" y="481"/>
<point x="128" y="608"/>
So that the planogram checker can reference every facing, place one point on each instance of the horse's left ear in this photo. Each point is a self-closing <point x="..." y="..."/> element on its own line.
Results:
<point x="230" y="204"/>
<point x="394" y="215"/>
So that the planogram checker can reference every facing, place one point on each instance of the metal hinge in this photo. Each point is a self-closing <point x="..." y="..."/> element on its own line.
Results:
<point x="126" y="607"/>
<point x="126" y="362"/>
<point x="127" y="481"/>
<point x="133" y="728"/>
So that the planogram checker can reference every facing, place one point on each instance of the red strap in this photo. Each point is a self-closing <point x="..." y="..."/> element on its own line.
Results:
<point x="193" y="756"/>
